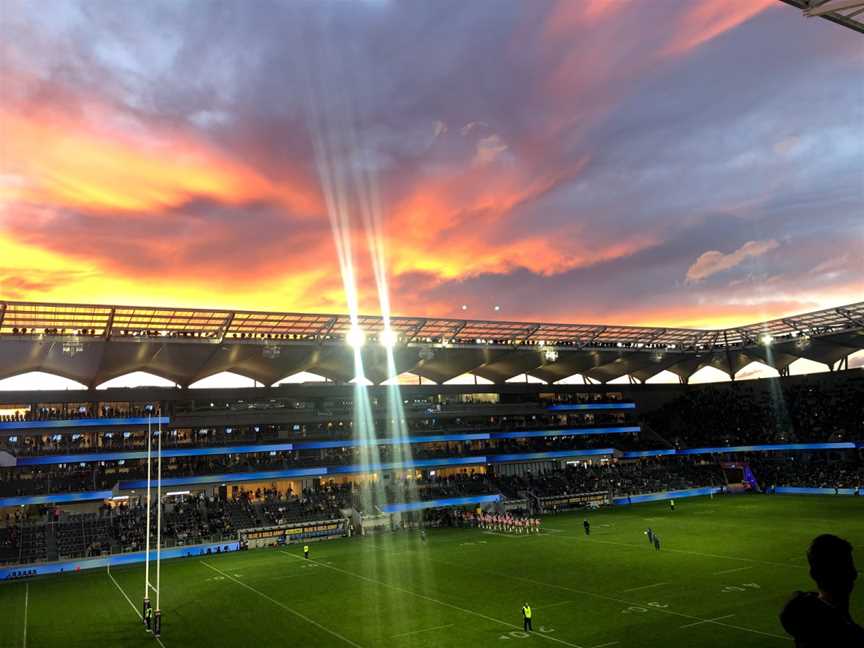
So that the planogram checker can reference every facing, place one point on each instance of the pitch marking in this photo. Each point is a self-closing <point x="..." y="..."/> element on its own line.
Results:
<point x="730" y="571"/>
<point x="433" y="600"/>
<point x="683" y="551"/>
<point x="281" y="605"/>
<point x="617" y="600"/>
<point x="636" y="589"/>
<point x="691" y="625"/>
<point x="134" y="609"/>
<point x="413" y="632"/>
<point x="551" y="605"/>
<point x="26" y="605"/>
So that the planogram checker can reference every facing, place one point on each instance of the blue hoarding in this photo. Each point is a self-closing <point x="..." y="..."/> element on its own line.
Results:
<point x="440" y="503"/>
<point x="655" y="497"/>
<point x="55" y="498"/>
<point x="141" y="454"/>
<point x="626" y="429"/>
<point x="578" y="407"/>
<point x="798" y="490"/>
<point x="71" y="566"/>
<point x="84" y="422"/>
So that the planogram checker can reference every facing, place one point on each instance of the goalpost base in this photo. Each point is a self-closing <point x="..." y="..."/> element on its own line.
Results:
<point x="157" y="623"/>
<point x="144" y="616"/>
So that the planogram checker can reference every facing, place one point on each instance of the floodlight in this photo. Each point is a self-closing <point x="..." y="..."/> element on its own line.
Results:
<point x="388" y="338"/>
<point x="766" y="339"/>
<point x="551" y="355"/>
<point x="355" y="337"/>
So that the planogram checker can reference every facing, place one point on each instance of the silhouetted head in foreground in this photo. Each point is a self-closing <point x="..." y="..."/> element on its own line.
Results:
<point x="822" y="619"/>
<point x="832" y="567"/>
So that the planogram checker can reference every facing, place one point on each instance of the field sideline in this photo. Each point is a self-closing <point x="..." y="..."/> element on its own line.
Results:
<point x="725" y="569"/>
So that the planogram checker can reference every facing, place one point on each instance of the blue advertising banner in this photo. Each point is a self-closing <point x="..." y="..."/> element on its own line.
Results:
<point x="656" y="497"/>
<point x="799" y="490"/>
<point x="71" y="566"/>
<point x="226" y="478"/>
<point x="557" y="454"/>
<point x="566" y="432"/>
<point x="56" y="498"/>
<point x="633" y="454"/>
<point x="578" y="407"/>
<point x="440" y="503"/>
<point x="401" y="465"/>
<point x="141" y="454"/>
<point x="775" y="447"/>
<point x="84" y="422"/>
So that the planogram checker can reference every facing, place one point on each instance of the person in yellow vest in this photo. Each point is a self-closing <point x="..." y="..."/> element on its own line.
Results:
<point x="306" y="551"/>
<point x="526" y="618"/>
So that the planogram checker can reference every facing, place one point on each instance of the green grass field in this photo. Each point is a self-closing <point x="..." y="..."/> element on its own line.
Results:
<point x="725" y="569"/>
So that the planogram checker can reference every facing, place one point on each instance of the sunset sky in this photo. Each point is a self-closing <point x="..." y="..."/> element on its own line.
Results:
<point x="692" y="162"/>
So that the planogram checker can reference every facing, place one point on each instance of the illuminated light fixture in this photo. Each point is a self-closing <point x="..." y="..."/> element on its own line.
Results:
<point x="496" y="307"/>
<point x="120" y="498"/>
<point x="355" y="337"/>
<point x="464" y="306"/>
<point x="177" y="493"/>
<point x="766" y="339"/>
<point x="551" y="355"/>
<point x="388" y="338"/>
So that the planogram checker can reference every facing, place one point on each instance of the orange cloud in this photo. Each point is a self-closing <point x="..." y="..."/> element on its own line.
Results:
<point x="459" y="225"/>
<point x="54" y="159"/>
<point x="702" y="21"/>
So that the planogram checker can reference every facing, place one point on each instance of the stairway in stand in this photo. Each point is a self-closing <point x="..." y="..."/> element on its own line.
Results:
<point x="50" y="543"/>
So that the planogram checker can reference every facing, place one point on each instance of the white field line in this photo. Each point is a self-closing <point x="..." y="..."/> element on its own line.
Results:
<point x="552" y="605"/>
<point x="636" y="589"/>
<point x="690" y="625"/>
<point x="615" y="599"/>
<point x="26" y="606"/>
<point x="132" y="605"/>
<point x="606" y="645"/>
<point x="414" y="632"/>
<point x="681" y="551"/>
<point x="434" y="600"/>
<point x="282" y="605"/>
<point x="731" y="571"/>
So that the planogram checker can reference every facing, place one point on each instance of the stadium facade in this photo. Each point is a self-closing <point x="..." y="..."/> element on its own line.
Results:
<point x="298" y="461"/>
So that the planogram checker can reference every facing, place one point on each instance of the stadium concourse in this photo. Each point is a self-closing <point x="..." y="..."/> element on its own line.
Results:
<point x="393" y="474"/>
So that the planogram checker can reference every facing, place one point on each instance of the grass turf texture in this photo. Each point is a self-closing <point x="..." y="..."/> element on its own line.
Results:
<point x="733" y="560"/>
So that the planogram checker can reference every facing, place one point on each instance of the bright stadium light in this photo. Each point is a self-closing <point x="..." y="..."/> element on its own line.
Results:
<point x="551" y="355"/>
<point x="388" y="338"/>
<point x="355" y="337"/>
<point x="766" y="339"/>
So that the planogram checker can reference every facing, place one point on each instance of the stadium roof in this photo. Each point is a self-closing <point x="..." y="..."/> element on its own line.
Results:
<point x="848" y="13"/>
<point x="94" y="343"/>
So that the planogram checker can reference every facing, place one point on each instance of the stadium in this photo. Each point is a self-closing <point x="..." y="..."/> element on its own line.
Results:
<point x="425" y="449"/>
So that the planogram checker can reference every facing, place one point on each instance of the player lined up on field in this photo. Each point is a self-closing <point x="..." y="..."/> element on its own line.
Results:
<point x="501" y="522"/>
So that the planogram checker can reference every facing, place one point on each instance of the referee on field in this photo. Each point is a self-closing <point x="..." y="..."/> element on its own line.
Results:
<point x="526" y="618"/>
